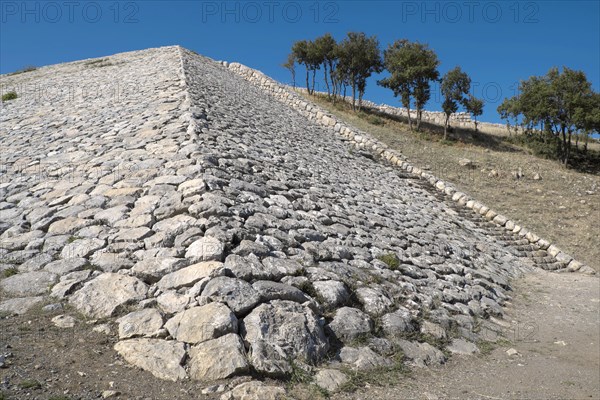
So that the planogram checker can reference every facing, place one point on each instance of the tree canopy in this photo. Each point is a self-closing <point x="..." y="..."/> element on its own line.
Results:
<point x="290" y="65"/>
<point x="559" y="104"/>
<point x="326" y="48"/>
<point x="475" y="107"/>
<point x="359" y="57"/>
<point x="412" y="66"/>
<point x="455" y="87"/>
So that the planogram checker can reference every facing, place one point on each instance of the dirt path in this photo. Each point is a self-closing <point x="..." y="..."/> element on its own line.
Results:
<point x="553" y="324"/>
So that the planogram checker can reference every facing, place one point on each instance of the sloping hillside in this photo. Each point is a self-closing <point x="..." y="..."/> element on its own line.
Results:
<point x="212" y="232"/>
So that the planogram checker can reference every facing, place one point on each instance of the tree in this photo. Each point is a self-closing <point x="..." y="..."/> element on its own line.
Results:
<point x="422" y="93"/>
<point x="290" y="65"/>
<point x="412" y="66"/>
<point x="587" y="117"/>
<point x="474" y="106"/>
<point x="300" y="52"/>
<point x="326" y="49"/>
<point x="342" y="72"/>
<point x="307" y="54"/>
<point x="559" y="103"/>
<point x="508" y="112"/>
<point x="342" y="75"/>
<point x="314" y="60"/>
<point x="359" y="57"/>
<point x="455" y="87"/>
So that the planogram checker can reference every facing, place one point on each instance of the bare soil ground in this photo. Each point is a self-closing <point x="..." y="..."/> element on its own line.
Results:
<point x="46" y="362"/>
<point x="553" y="324"/>
<point x="562" y="207"/>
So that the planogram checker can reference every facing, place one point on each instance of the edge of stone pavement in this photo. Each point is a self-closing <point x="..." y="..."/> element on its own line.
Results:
<point x="362" y="140"/>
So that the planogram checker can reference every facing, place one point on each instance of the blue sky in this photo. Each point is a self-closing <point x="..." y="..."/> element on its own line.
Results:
<point x="496" y="42"/>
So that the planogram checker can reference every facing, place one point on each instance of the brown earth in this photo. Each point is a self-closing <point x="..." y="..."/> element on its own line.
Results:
<point x="49" y="363"/>
<point x="554" y="325"/>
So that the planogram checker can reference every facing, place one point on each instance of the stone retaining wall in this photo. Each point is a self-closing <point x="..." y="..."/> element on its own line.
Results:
<point x="363" y="140"/>
<point x="460" y="120"/>
<point x="457" y="120"/>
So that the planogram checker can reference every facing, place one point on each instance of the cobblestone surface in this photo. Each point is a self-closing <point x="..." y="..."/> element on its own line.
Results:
<point x="160" y="180"/>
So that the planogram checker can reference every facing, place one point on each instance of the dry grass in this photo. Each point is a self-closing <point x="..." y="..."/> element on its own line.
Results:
<point x="563" y="207"/>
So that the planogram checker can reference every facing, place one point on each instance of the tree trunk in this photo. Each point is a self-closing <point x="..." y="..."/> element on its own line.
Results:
<point x="334" y="88"/>
<point x="564" y="145"/>
<point x="585" y="143"/>
<point x="327" y="81"/>
<point x="353" y="96"/>
<point x="360" y="96"/>
<point x="446" y="127"/>
<point x="307" y="84"/>
<point x="418" y="119"/>
<point x="407" y="106"/>
<point x="313" y="79"/>
<point x="568" y="149"/>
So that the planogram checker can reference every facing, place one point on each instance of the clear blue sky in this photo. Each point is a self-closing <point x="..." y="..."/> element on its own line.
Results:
<point x="496" y="42"/>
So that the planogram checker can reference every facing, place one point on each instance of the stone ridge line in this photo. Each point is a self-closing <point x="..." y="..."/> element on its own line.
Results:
<point x="364" y="140"/>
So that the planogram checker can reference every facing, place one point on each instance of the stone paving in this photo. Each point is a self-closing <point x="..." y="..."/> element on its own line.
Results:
<point x="223" y="233"/>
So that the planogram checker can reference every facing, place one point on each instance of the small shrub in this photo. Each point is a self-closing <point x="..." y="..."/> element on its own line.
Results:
<point x="92" y="267"/>
<point x="374" y="278"/>
<point x="28" y="68"/>
<point x="486" y="348"/>
<point x="543" y="146"/>
<point x="301" y="271"/>
<point x="99" y="63"/>
<point x="299" y="373"/>
<point x="378" y="376"/>
<point x="391" y="260"/>
<point x="361" y="340"/>
<point x="10" y="272"/>
<point x="447" y="142"/>
<point x="9" y="96"/>
<point x="375" y="120"/>
<point x="30" y="384"/>
<point x="308" y="288"/>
